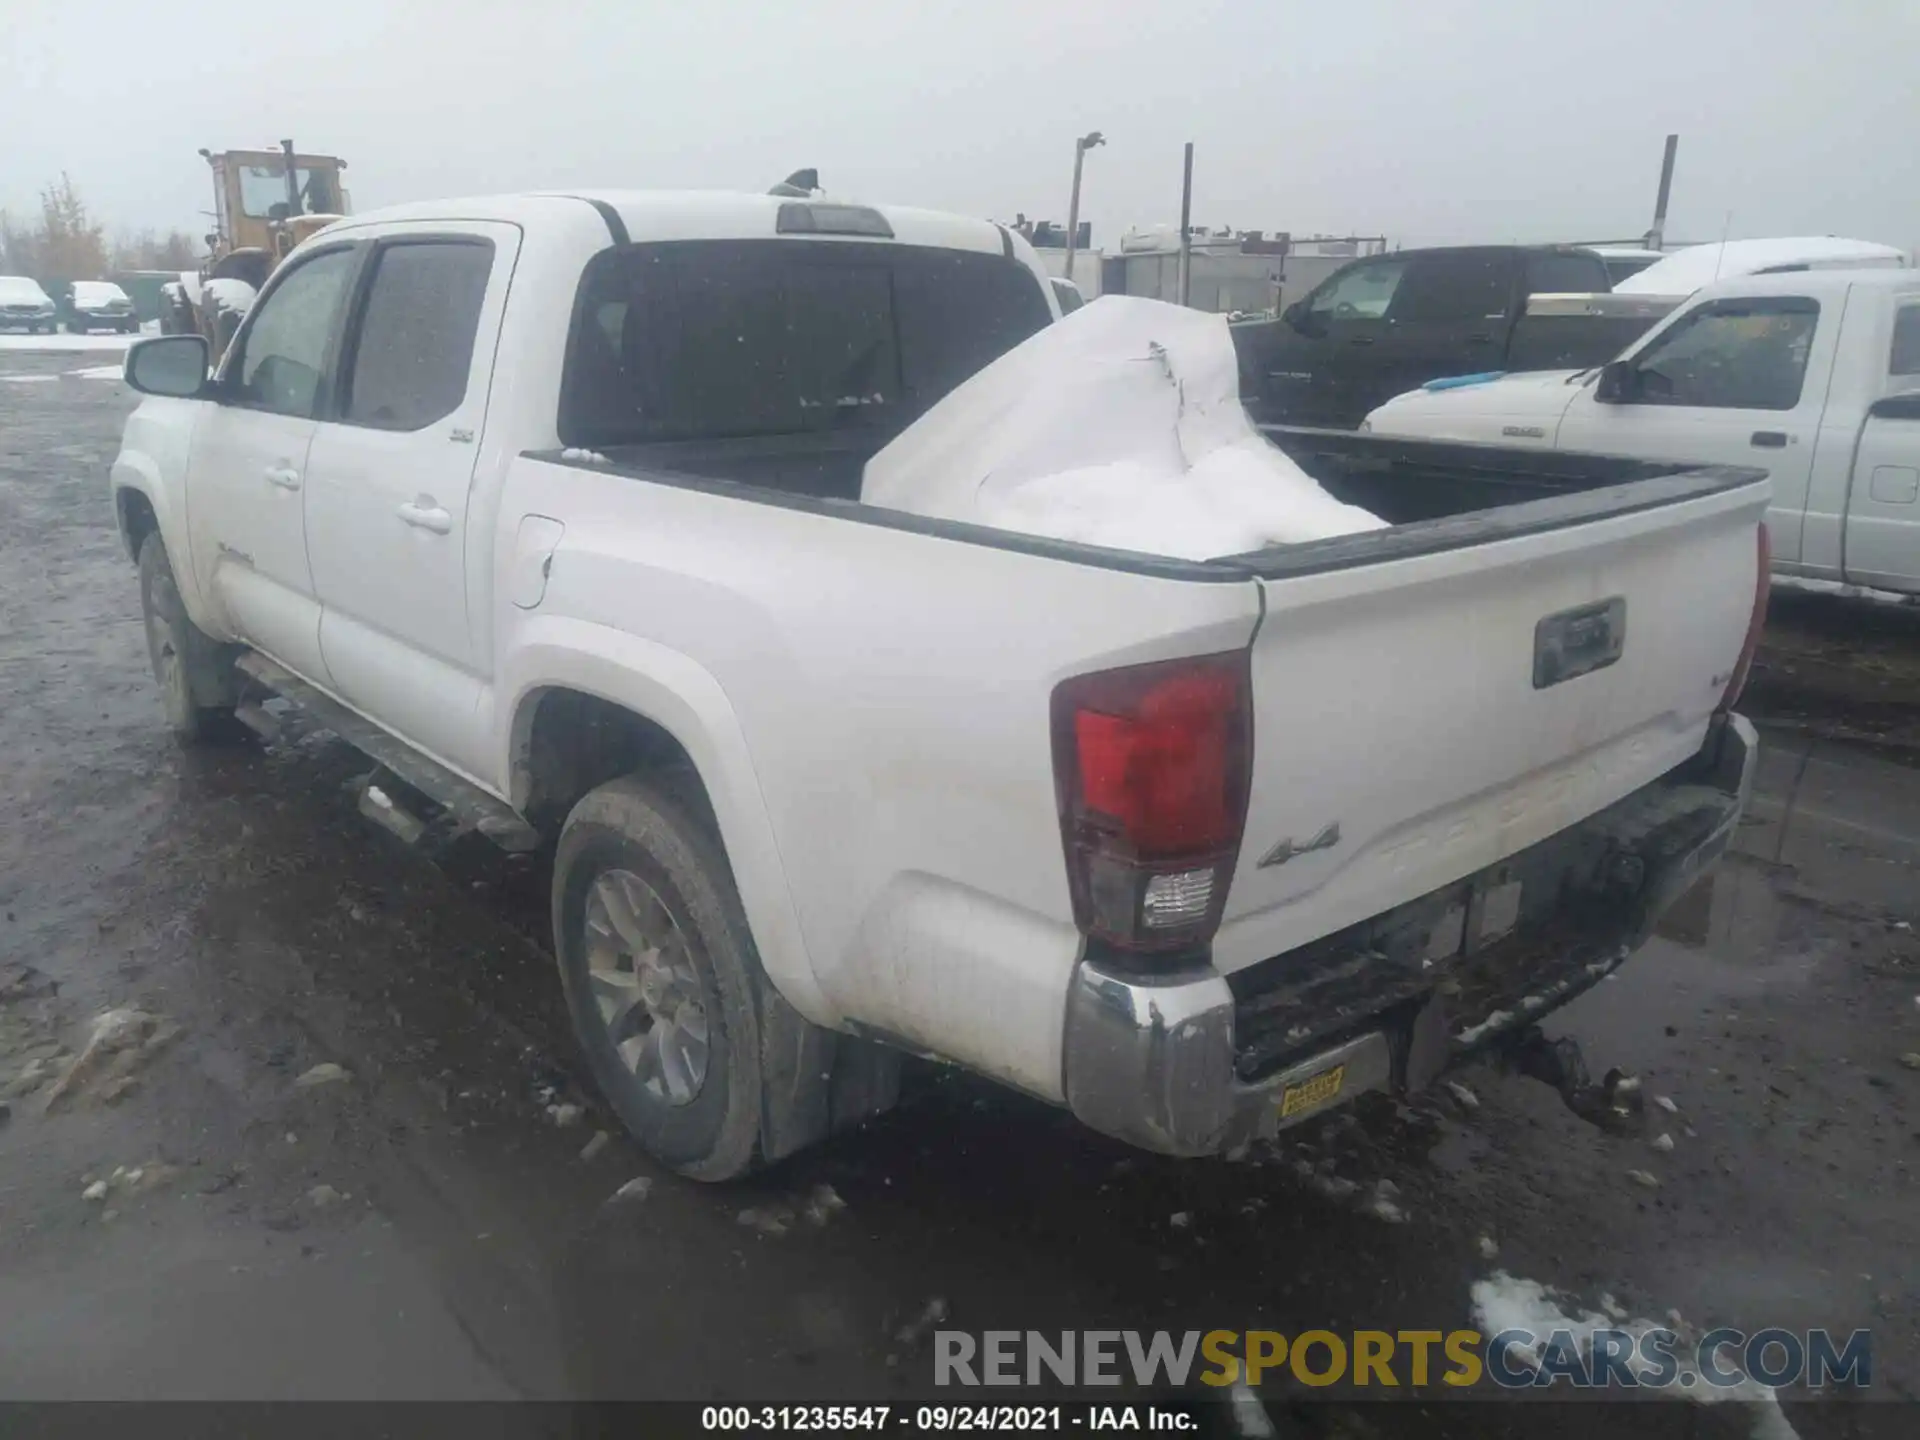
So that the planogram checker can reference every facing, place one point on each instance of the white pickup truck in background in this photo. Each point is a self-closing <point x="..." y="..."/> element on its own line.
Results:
<point x="1813" y="375"/>
<point x="551" y="505"/>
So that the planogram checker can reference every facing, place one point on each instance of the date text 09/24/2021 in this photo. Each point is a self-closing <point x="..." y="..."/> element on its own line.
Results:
<point x="943" y="1419"/>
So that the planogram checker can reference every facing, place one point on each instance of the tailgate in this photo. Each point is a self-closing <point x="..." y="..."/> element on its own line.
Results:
<point x="1424" y="717"/>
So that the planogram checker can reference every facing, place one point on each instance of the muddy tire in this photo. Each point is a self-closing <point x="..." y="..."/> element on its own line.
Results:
<point x="195" y="674"/>
<point x="662" y="980"/>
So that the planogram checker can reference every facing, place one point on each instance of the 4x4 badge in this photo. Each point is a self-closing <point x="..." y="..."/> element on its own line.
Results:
<point x="1289" y="848"/>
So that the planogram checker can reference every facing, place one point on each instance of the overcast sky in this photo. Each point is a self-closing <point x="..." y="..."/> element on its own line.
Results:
<point x="1421" y="119"/>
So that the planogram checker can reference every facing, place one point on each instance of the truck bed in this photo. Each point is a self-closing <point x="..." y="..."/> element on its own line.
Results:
<point x="1487" y="491"/>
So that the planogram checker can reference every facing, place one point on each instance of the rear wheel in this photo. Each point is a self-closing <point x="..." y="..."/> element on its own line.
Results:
<point x="661" y="976"/>
<point x="195" y="674"/>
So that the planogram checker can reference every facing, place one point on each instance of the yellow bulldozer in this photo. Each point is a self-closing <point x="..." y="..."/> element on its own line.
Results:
<point x="265" y="203"/>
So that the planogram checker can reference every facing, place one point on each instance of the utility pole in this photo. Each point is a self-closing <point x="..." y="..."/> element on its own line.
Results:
<point x="1080" y="147"/>
<point x="1186" y="225"/>
<point x="1657" y="236"/>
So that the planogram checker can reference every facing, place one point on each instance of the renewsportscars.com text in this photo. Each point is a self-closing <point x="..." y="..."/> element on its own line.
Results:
<point x="1586" y="1358"/>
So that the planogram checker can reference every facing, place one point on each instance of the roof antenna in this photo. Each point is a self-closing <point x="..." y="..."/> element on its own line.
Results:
<point x="799" y="185"/>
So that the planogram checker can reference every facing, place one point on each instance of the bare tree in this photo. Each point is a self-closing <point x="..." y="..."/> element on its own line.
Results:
<point x="69" y="244"/>
<point x="178" y="251"/>
<point x="72" y="243"/>
<point x="148" y="250"/>
<point x="19" y="249"/>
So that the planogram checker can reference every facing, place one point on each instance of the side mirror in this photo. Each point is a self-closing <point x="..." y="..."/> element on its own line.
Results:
<point x="1897" y="407"/>
<point x="1618" y="384"/>
<point x="174" y="366"/>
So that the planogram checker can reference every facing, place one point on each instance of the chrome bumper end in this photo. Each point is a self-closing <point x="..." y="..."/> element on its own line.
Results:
<point x="1151" y="1062"/>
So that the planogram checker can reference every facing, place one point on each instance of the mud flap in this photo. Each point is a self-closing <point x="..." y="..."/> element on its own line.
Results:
<point x="814" y="1082"/>
<point x="1429" y="1045"/>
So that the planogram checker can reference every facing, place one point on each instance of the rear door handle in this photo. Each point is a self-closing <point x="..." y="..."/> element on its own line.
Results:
<point x="284" y="476"/>
<point x="1479" y="339"/>
<point x="1770" y="439"/>
<point x="1361" y="340"/>
<point x="423" y="514"/>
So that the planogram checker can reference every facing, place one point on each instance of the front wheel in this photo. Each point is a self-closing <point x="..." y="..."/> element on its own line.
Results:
<point x="194" y="674"/>
<point x="661" y="976"/>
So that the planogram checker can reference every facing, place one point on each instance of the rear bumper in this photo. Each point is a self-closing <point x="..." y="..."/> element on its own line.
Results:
<point x="1196" y="1064"/>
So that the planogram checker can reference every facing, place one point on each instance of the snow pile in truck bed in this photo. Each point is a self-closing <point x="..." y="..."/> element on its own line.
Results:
<point x="1685" y="271"/>
<point x="1120" y="425"/>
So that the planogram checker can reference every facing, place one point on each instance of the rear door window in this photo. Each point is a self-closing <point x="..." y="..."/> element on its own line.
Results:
<point x="1551" y="273"/>
<point x="1454" y="288"/>
<point x="414" y="348"/>
<point x="725" y="339"/>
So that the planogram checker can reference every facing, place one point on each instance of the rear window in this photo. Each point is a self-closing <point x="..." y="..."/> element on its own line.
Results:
<point x="1905" y="359"/>
<point x="718" y="339"/>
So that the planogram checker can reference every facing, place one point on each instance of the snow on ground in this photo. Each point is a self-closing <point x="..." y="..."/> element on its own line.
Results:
<point x="1507" y="1302"/>
<point x="12" y="343"/>
<point x="1850" y="592"/>
<point x="91" y="372"/>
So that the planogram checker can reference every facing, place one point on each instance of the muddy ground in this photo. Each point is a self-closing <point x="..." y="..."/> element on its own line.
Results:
<point x="462" y="1248"/>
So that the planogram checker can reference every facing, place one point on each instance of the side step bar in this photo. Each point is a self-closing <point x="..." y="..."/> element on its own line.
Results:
<point x="467" y="805"/>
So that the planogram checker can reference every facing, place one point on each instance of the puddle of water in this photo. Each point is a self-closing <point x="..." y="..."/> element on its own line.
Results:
<point x="1726" y="934"/>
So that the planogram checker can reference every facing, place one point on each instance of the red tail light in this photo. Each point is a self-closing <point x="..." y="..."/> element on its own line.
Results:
<point x="1762" y="584"/>
<point x="1152" y="763"/>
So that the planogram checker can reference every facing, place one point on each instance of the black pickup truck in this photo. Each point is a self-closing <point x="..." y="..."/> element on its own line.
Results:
<point x="1389" y="323"/>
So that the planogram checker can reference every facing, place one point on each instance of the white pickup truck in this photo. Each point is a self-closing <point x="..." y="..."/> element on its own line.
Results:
<point x="1813" y="375"/>
<point x="551" y="504"/>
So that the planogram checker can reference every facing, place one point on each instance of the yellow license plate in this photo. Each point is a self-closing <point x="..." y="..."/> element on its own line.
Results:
<point x="1316" y="1090"/>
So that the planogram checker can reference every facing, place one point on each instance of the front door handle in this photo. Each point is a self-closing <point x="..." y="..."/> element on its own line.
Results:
<point x="1770" y="439"/>
<point x="284" y="476"/>
<point x="1361" y="340"/>
<point x="423" y="514"/>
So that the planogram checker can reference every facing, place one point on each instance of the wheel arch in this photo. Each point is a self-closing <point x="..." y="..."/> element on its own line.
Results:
<point x="603" y="698"/>
<point x="148" y="479"/>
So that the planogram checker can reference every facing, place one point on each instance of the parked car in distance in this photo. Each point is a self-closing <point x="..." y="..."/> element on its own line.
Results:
<point x="25" y="306"/>
<point x="1386" y="323"/>
<point x="1813" y="374"/>
<point x="100" y="305"/>
<point x="565" y="529"/>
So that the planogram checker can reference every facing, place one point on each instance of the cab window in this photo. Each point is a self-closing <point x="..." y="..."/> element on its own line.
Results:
<point x="1361" y="292"/>
<point x="283" y="350"/>
<point x="1737" y="355"/>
